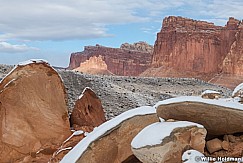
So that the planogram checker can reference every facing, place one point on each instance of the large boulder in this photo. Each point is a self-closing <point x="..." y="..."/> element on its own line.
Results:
<point x="111" y="141"/>
<point x="219" y="117"/>
<point x="33" y="110"/>
<point x="88" y="111"/>
<point x="165" y="142"/>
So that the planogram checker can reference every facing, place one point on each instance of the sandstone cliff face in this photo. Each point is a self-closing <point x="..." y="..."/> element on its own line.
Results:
<point x="119" y="61"/>
<point x="233" y="62"/>
<point x="191" y="48"/>
<point x="94" y="65"/>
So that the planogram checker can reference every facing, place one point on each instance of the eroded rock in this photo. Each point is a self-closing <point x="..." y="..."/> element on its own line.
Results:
<point x="165" y="142"/>
<point x="111" y="141"/>
<point x="88" y="111"/>
<point x="33" y="110"/>
<point x="214" y="145"/>
<point x="219" y="117"/>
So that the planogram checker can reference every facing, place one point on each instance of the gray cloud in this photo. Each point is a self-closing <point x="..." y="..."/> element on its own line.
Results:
<point x="11" y="48"/>
<point x="83" y="19"/>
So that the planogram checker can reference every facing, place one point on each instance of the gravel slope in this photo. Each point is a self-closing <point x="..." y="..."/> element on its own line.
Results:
<point x="119" y="94"/>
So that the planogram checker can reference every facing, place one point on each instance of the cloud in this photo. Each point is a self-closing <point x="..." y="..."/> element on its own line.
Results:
<point x="11" y="48"/>
<point x="84" y="19"/>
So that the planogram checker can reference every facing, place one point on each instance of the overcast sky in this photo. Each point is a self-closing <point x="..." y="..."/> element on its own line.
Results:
<point x="52" y="29"/>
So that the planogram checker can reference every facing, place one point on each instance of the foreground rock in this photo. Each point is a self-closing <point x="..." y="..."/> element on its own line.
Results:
<point x="33" y="110"/>
<point x="88" y="111"/>
<point x="165" y="142"/>
<point x="219" y="117"/>
<point x="110" y="142"/>
<point x="238" y="93"/>
<point x="214" y="145"/>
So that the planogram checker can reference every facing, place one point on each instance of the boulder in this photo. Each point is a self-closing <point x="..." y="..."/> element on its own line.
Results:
<point x="88" y="110"/>
<point x="219" y="117"/>
<point x="165" y="142"/>
<point x="210" y="94"/>
<point x="111" y="141"/>
<point x="238" y="93"/>
<point x="225" y="145"/>
<point x="214" y="145"/>
<point x="33" y="110"/>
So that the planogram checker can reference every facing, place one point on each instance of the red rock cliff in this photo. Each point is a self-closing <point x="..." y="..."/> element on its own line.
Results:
<point x="191" y="48"/>
<point x="119" y="61"/>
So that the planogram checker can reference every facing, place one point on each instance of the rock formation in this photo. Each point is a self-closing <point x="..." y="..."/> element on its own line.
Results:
<point x="210" y="94"/>
<point x="111" y="141"/>
<point x="94" y="65"/>
<point x="138" y="46"/>
<point x="88" y="111"/>
<point x="119" y="61"/>
<point x="226" y="115"/>
<point x="190" y="48"/>
<point x="165" y="142"/>
<point x="33" y="111"/>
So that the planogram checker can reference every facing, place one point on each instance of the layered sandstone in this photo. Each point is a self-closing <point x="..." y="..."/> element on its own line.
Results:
<point x="190" y="48"/>
<point x="119" y="61"/>
<point x="33" y="111"/>
<point x="94" y="65"/>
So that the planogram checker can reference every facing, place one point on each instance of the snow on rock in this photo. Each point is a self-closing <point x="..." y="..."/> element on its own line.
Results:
<point x="238" y="91"/>
<point x="82" y="94"/>
<point x="210" y="91"/>
<point x="81" y="147"/>
<point x="220" y="102"/>
<point x="226" y="114"/>
<point x="31" y="61"/>
<point x="150" y="136"/>
<point x="192" y="156"/>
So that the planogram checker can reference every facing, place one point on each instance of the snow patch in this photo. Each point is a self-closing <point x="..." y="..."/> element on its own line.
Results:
<point x="192" y="156"/>
<point x="31" y="61"/>
<point x="82" y="94"/>
<point x="156" y="132"/>
<point x="81" y="147"/>
<point x="210" y="92"/>
<point x="9" y="83"/>
<point x="228" y="102"/>
<point x="161" y="119"/>
<point x="237" y="89"/>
